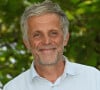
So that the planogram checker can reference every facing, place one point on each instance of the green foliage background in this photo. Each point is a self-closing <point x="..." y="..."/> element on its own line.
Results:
<point x="83" y="47"/>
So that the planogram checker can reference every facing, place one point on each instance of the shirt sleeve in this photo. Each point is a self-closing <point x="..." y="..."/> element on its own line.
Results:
<point x="10" y="86"/>
<point x="98" y="80"/>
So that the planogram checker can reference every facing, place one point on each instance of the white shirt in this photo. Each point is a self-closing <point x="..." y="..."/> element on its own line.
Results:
<point x="75" y="77"/>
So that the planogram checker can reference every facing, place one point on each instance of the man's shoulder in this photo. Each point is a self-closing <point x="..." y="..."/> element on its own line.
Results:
<point x="18" y="80"/>
<point x="89" y="73"/>
<point x="85" y="68"/>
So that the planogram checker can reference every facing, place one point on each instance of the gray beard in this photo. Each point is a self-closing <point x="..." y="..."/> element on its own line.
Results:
<point x="59" y="57"/>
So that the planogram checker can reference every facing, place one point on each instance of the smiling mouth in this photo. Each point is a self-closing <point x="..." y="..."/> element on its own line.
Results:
<point x="45" y="50"/>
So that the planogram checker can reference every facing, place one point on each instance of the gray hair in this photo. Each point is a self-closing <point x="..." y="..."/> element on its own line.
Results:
<point x="41" y="8"/>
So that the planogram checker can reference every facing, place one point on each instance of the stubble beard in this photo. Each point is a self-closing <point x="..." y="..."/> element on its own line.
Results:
<point x="49" y="60"/>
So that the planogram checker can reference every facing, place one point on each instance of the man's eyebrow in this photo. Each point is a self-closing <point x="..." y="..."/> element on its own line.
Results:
<point x="36" y="31"/>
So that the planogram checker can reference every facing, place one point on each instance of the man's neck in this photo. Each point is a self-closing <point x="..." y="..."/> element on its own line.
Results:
<point x="51" y="73"/>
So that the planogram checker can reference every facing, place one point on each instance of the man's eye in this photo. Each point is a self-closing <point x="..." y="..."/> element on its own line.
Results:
<point x="54" y="33"/>
<point x="36" y="35"/>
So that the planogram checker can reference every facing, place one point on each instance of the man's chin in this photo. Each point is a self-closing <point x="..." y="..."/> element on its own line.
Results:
<point x="48" y="60"/>
<point x="47" y="63"/>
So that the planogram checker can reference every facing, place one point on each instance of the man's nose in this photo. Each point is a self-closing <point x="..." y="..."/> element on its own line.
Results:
<point x="47" y="40"/>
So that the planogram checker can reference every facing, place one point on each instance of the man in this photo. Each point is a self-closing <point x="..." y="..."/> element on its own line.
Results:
<point x="45" y="33"/>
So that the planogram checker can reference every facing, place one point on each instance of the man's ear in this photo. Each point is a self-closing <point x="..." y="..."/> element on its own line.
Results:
<point x="27" y="44"/>
<point x="66" y="39"/>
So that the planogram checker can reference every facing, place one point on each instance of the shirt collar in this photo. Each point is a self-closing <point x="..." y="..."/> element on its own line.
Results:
<point x="69" y="69"/>
<point x="33" y="71"/>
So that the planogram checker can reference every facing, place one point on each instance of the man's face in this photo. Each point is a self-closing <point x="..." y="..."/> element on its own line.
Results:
<point x="46" y="38"/>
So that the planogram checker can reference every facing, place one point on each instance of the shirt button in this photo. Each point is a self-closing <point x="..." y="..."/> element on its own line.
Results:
<point x="52" y="86"/>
